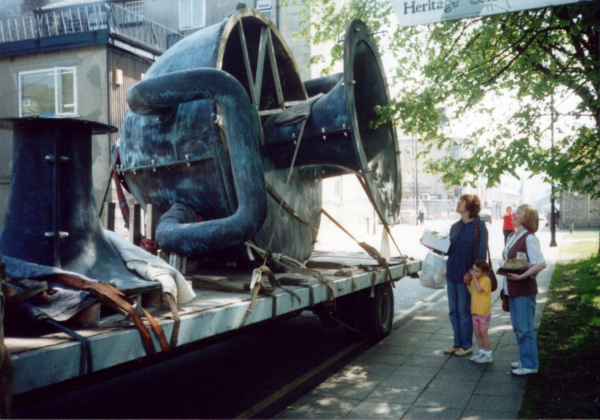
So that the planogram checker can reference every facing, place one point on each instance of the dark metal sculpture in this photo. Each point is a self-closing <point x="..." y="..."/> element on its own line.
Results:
<point x="192" y="139"/>
<point x="52" y="218"/>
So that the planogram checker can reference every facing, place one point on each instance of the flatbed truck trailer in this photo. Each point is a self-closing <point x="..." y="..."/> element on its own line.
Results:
<point x="362" y="300"/>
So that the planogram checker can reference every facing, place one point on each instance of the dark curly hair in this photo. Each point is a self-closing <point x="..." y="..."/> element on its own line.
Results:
<point x="473" y="204"/>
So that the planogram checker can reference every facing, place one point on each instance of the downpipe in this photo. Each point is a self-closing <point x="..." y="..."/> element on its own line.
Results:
<point x="159" y="96"/>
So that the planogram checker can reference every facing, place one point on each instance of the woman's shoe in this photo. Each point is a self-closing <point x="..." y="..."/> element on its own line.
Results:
<point x="524" y="371"/>
<point x="451" y="350"/>
<point x="463" y="352"/>
<point x="515" y="365"/>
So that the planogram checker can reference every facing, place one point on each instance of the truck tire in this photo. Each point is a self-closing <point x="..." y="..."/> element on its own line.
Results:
<point x="378" y="312"/>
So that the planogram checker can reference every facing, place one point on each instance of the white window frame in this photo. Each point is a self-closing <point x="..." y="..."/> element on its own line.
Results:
<point x="140" y="15"/>
<point x="192" y="26"/>
<point x="56" y="71"/>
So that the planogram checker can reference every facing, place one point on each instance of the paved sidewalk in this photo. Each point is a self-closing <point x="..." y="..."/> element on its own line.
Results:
<point x="407" y="375"/>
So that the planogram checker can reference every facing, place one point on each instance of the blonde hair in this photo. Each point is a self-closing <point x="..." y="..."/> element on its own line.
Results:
<point x="531" y="219"/>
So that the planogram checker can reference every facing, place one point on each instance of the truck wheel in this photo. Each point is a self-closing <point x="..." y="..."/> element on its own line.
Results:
<point x="378" y="315"/>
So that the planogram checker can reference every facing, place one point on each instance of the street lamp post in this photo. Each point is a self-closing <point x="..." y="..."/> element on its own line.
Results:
<point x="552" y="209"/>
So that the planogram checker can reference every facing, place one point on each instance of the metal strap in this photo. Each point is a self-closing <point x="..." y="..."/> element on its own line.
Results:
<point x="85" y="362"/>
<point x="289" y="208"/>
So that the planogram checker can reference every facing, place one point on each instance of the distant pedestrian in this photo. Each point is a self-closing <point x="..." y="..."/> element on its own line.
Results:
<point x="421" y="215"/>
<point x="508" y="226"/>
<point x="461" y="255"/>
<point x="480" y="288"/>
<point x="522" y="289"/>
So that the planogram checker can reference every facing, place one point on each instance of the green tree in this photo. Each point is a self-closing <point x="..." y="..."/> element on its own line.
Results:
<point x="465" y="70"/>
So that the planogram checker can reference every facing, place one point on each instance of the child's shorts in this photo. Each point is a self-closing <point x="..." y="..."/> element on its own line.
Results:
<point x="481" y="322"/>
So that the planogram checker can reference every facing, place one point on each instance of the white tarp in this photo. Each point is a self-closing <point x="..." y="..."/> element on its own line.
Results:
<point x="417" y="12"/>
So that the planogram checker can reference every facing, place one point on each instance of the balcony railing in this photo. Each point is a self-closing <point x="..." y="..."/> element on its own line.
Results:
<point x="80" y="19"/>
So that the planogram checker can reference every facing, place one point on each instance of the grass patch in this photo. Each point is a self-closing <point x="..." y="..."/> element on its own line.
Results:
<point x="568" y="343"/>
<point x="580" y="244"/>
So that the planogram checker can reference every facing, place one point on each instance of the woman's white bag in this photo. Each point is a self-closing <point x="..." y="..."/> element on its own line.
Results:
<point x="433" y="273"/>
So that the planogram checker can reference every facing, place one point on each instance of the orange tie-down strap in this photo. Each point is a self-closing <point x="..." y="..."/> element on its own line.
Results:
<point x="112" y="296"/>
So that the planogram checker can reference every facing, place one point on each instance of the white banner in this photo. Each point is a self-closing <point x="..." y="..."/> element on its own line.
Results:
<point x="417" y="12"/>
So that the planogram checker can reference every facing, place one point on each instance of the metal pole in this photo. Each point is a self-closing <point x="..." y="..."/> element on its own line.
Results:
<point x="416" y="177"/>
<point x="552" y="209"/>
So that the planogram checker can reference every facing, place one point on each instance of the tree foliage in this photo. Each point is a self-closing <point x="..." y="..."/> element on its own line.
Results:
<point x="469" y="70"/>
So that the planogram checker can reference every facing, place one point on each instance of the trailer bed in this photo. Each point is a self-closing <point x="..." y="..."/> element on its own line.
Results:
<point x="53" y="358"/>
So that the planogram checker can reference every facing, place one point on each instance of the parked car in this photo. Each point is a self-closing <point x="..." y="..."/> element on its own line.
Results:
<point x="486" y="215"/>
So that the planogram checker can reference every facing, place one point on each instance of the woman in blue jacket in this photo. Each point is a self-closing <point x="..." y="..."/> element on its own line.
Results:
<point x="460" y="260"/>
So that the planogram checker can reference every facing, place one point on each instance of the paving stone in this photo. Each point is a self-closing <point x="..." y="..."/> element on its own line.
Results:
<point x="499" y="330"/>
<point x="424" y="361"/>
<point x="464" y="363"/>
<point x="356" y="390"/>
<point x="432" y="398"/>
<point x="508" y="348"/>
<point x="395" y="395"/>
<point x="400" y="350"/>
<point x="501" y="389"/>
<point x="432" y="413"/>
<point x="503" y="356"/>
<point x="390" y="359"/>
<point x="415" y="371"/>
<point x="366" y="372"/>
<point x="483" y="415"/>
<point x="405" y="382"/>
<point x="318" y="405"/>
<point x="377" y="410"/>
<point x="437" y="344"/>
<point x="459" y="374"/>
<point x="406" y="338"/>
<point x="453" y="387"/>
<point x="442" y="337"/>
<point x="435" y="352"/>
<point x="501" y="376"/>
<point x="493" y="403"/>
<point x="502" y="365"/>
<point x="424" y="325"/>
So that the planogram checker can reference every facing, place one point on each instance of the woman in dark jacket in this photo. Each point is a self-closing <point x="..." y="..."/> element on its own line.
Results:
<point x="460" y="260"/>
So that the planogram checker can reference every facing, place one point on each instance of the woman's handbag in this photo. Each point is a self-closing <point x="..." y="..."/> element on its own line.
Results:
<point x="491" y="274"/>
<point x="504" y="298"/>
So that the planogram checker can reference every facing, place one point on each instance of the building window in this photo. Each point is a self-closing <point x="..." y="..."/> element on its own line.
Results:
<point x="48" y="92"/>
<point x="192" y="14"/>
<point x="266" y="8"/>
<point x="136" y="11"/>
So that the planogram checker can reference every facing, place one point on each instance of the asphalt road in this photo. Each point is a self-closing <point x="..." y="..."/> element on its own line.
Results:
<point x="259" y="372"/>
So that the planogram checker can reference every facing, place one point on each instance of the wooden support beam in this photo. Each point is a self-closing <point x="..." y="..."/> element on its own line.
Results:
<point x="108" y="216"/>
<point x="135" y="224"/>
<point x="151" y="221"/>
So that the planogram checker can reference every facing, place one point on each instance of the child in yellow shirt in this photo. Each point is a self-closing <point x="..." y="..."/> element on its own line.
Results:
<point x="481" y="309"/>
